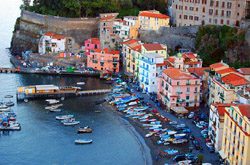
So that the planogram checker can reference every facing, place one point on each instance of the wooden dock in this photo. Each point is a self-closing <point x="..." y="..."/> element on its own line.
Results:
<point x="92" y="92"/>
<point x="8" y="70"/>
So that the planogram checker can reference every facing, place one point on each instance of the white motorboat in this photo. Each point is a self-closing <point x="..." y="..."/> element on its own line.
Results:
<point x="8" y="96"/>
<point x="55" y="110"/>
<point x="71" y="122"/>
<point x="83" y="141"/>
<point x="52" y="101"/>
<point x="63" y="117"/>
<point x="80" y="83"/>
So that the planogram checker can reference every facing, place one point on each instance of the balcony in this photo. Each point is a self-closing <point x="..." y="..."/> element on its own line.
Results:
<point x="178" y="93"/>
<point x="180" y="101"/>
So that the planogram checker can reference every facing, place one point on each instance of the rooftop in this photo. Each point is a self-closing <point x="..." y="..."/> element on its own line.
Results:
<point x="227" y="70"/>
<point x="107" y="18"/>
<point x="197" y="71"/>
<point x="245" y="110"/>
<point x="221" y="108"/>
<point x="155" y="15"/>
<point x="151" y="47"/>
<point x="234" y="79"/>
<point x="54" y="36"/>
<point x="218" y="65"/>
<point x="245" y="71"/>
<point x="177" y="74"/>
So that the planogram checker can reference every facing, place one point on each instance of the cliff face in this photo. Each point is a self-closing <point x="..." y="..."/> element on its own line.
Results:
<point x="31" y="26"/>
<point x="172" y="36"/>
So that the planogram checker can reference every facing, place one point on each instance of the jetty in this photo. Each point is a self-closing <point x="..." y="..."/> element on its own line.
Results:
<point x="53" y="91"/>
<point x="8" y="70"/>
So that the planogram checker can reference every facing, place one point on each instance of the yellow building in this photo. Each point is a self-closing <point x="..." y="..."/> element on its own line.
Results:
<point x="134" y="30"/>
<point x="236" y="135"/>
<point x="224" y="83"/>
<point x="152" y="20"/>
<point x="155" y="48"/>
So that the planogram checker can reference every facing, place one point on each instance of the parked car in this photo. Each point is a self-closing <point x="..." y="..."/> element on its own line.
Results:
<point x="196" y="144"/>
<point x="191" y="115"/>
<point x="178" y="158"/>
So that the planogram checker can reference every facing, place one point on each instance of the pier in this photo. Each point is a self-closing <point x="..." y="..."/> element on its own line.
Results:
<point x="8" y="70"/>
<point x="52" y="91"/>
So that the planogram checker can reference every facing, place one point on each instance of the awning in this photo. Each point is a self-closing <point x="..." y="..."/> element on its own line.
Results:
<point x="180" y="110"/>
<point x="223" y="156"/>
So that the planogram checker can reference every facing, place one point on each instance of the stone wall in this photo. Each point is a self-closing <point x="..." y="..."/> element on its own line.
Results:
<point x="33" y="25"/>
<point x="172" y="36"/>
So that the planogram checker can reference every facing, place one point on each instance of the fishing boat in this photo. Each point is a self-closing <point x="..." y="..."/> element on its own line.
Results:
<point x="4" y="108"/>
<point x="83" y="141"/>
<point x="54" y="106"/>
<point x="14" y="126"/>
<point x="132" y="103"/>
<point x="70" y="122"/>
<point x="85" y="129"/>
<point x="149" y="134"/>
<point x="63" y="117"/>
<point x="9" y="103"/>
<point x="55" y="110"/>
<point x="52" y="101"/>
<point x="171" y="132"/>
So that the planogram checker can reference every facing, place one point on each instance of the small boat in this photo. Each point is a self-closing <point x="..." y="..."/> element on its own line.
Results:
<point x="9" y="103"/>
<point x="55" y="110"/>
<point x="83" y="141"/>
<point x="80" y="83"/>
<point x="86" y="129"/>
<point x="8" y="96"/>
<point x="26" y="100"/>
<point x="52" y="101"/>
<point x="63" y="117"/>
<point x="97" y="111"/>
<point x="149" y="134"/>
<point x="71" y="123"/>
<point x="179" y="141"/>
<point x="132" y="103"/>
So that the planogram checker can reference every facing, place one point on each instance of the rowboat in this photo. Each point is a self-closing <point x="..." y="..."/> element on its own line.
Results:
<point x="83" y="141"/>
<point x="71" y="123"/>
<point x="63" y="117"/>
<point x="86" y="129"/>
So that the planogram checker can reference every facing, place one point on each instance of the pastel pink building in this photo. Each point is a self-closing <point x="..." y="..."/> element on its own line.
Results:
<point x="177" y="88"/>
<point x="91" y="44"/>
<point x="104" y="60"/>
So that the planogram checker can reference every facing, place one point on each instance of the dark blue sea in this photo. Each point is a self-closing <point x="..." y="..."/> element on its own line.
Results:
<point x="43" y="140"/>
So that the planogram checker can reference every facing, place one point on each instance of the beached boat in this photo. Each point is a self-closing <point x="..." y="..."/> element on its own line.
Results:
<point x="83" y="141"/>
<point x="86" y="129"/>
<point x="63" y="117"/>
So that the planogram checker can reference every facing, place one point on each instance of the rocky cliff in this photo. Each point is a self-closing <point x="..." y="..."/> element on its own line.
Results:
<point x="172" y="36"/>
<point x="30" y="26"/>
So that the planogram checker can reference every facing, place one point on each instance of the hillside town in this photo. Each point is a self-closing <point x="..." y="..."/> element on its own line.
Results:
<point x="216" y="98"/>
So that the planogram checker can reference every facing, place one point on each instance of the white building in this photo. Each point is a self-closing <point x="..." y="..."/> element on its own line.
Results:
<point x="51" y="43"/>
<point x="216" y="124"/>
<point x="151" y="64"/>
<point x="130" y="20"/>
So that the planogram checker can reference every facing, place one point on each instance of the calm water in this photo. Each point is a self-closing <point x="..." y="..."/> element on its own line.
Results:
<point x="43" y="140"/>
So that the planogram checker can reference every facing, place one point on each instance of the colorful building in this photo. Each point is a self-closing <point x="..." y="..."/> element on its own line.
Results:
<point x="91" y="44"/>
<point x="51" y="43"/>
<point x="104" y="60"/>
<point x="155" y="48"/>
<point x="151" y="64"/>
<point x="216" y="124"/>
<point x="236" y="135"/>
<point x="177" y="88"/>
<point x="152" y="20"/>
<point x="224" y="82"/>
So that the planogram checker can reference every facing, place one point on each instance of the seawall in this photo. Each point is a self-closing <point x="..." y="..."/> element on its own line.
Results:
<point x="31" y="26"/>
<point x="172" y="36"/>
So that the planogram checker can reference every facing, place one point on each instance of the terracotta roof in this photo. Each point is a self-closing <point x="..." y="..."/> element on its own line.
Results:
<point x="108" y="27"/>
<point x="95" y="40"/>
<point x="137" y="48"/>
<point x="247" y="89"/>
<point x="171" y="60"/>
<point x="245" y="71"/>
<point x="112" y="34"/>
<point x="217" y="65"/>
<point x="163" y="64"/>
<point x="177" y="74"/>
<point x="155" y="15"/>
<point x="234" y="79"/>
<point x="49" y="34"/>
<point x="189" y="55"/>
<point x="245" y="110"/>
<point x="106" y="18"/>
<point x="129" y="41"/>
<point x="58" y="37"/>
<point x="221" y="108"/>
<point x="114" y="52"/>
<point x="227" y="70"/>
<point x="198" y="71"/>
<point x="150" y="47"/>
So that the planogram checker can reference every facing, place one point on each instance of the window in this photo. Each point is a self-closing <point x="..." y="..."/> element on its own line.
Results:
<point x="223" y="4"/>
<point x="191" y="9"/>
<point x="216" y="12"/>
<point x="204" y="10"/>
<point x="191" y="17"/>
<point x="215" y="21"/>
<point x="187" y="97"/>
<point x="229" y="5"/>
<point x="178" y="83"/>
<point x="211" y="3"/>
<point x="185" y="16"/>
<point x="222" y="12"/>
<point x="197" y="9"/>
<point x="188" y="89"/>
<point x="197" y="1"/>
<point x="217" y="3"/>
<point x="222" y="21"/>
<point x="196" y="18"/>
<point x="196" y="89"/>
<point x="179" y="16"/>
<point x="176" y="6"/>
<point x="210" y="11"/>
<point x="186" y="7"/>
<point x="188" y="82"/>
<point x="180" y="7"/>
<point x="196" y="82"/>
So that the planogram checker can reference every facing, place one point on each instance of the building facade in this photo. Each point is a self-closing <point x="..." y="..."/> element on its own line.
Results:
<point x="216" y="124"/>
<point x="152" y="20"/>
<point x="91" y="44"/>
<point x="177" y="88"/>
<point x="151" y="64"/>
<point x="104" y="60"/>
<point x="51" y="43"/>
<point x="236" y="135"/>
<point x="201" y="12"/>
